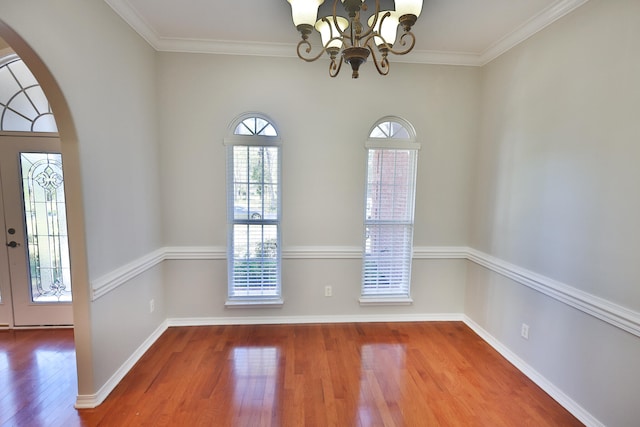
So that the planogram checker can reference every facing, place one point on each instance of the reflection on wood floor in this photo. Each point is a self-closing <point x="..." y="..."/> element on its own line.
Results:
<point x="38" y="385"/>
<point x="376" y="374"/>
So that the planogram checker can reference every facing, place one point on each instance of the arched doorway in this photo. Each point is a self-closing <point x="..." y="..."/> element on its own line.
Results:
<point x="75" y="209"/>
<point x="35" y="289"/>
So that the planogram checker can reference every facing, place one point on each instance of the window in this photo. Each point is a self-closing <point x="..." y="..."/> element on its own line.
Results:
<point x="390" y="197"/>
<point x="23" y="105"/>
<point x="253" y="212"/>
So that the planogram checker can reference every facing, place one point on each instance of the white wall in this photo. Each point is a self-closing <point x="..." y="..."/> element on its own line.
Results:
<point x="106" y="74"/>
<point x="324" y="123"/>
<point x="556" y="193"/>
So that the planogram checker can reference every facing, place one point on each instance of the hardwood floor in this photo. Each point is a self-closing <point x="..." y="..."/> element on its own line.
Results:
<point x="378" y="374"/>
<point x="38" y="385"/>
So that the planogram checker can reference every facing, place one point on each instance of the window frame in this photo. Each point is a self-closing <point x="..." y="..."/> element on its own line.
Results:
<point x="389" y="142"/>
<point x="239" y="140"/>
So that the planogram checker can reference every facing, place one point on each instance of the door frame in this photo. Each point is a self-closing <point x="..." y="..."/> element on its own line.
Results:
<point x="6" y="298"/>
<point x="24" y="312"/>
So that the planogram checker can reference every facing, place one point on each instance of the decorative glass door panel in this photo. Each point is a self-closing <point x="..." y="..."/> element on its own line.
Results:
<point x="38" y="291"/>
<point x="46" y="227"/>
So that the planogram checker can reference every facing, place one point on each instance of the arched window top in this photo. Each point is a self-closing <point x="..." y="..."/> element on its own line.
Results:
<point x="392" y="132"/>
<point x="254" y="124"/>
<point x="252" y="129"/>
<point x="23" y="104"/>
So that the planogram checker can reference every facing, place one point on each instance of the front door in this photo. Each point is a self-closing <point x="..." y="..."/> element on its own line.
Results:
<point x="35" y="284"/>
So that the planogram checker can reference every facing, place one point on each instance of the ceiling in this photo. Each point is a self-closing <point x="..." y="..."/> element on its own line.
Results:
<point x="458" y="32"/>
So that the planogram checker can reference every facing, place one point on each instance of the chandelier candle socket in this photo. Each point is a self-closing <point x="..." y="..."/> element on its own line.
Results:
<point x="346" y="39"/>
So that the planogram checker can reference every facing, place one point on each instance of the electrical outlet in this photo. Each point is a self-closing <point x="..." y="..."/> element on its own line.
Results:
<point x="524" y="331"/>
<point x="152" y="305"/>
<point x="328" y="291"/>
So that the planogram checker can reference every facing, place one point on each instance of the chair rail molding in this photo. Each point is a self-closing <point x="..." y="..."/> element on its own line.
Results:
<point x="607" y="311"/>
<point x="118" y="277"/>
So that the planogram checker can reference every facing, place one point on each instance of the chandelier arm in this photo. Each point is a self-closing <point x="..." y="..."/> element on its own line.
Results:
<point x="375" y="21"/>
<point x="308" y="50"/>
<point x="334" y="68"/>
<point x="334" y="18"/>
<point x="383" y="65"/>
<point x="341" y="34"/>
<point x="403" y="43"/>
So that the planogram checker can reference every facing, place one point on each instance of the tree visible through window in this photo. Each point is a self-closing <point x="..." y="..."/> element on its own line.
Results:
<point x="253" y="194"/>
<point x="389" y="211"/>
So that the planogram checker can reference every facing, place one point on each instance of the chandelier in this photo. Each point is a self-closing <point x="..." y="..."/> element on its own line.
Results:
<point x="346" y="39"/>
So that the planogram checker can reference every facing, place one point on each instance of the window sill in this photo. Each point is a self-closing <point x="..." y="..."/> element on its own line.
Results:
<point x="254" y="303"/>
<point x="380" y="300"/>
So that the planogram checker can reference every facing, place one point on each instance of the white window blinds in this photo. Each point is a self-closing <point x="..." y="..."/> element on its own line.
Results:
<point x="389" y="212"/>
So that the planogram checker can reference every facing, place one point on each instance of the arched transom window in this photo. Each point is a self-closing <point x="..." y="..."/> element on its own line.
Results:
<point x="255" y="126"/>
<point x="23" y="105"/>
<point x="389" y="128"/>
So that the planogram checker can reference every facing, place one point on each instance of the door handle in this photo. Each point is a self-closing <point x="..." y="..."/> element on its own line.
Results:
<point x="13" y="244"/>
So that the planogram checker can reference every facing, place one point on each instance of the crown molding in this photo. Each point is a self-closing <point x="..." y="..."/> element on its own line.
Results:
<point x="135" y="21"/>
<point x="288" y="50"/>
<point x="226" y="47"/>
<point x="529" y="28"/>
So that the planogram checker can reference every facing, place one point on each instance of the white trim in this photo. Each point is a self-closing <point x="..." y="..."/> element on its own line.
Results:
<point x="440" y="252"/>
<point x="7" y="56"/>
<point x="195" y="252"/>
<point x="92" y="400"/>
<point x="227" y="47"/>
<point x="27" y="134"/>
<point x="569" y="404"/>
<point x="322" y="252"/>
<point x="616" y="315"/>
<point x="292" y="320"/>
<point x="254" y="303"/>
<point x="433" y="57"/>
<point x="607" y="311"/>
<point x="288" y="50"/>
<point x="130" y="16"/>
<point x="122" y="275"/>
<point x="381" y="300"/>
<point x="531" y="27"/>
